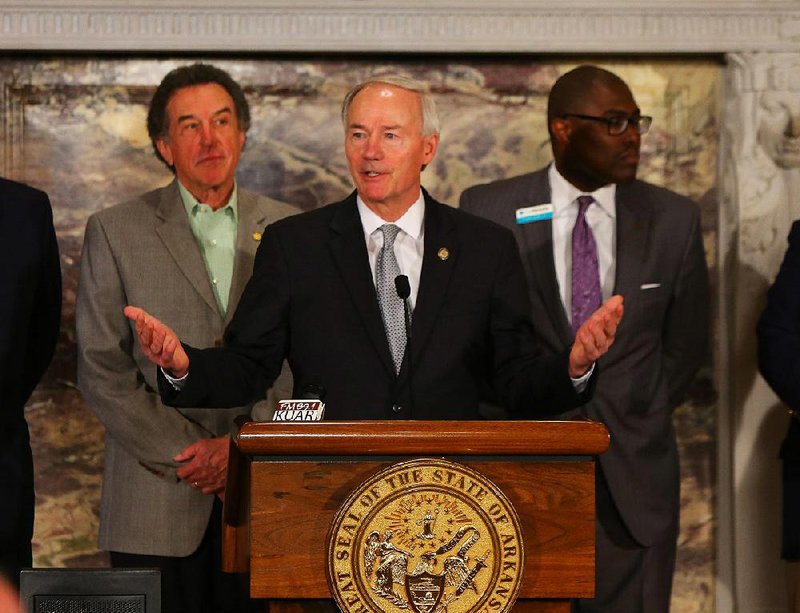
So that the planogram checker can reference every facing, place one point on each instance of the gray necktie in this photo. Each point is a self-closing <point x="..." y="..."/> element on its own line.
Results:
<point x="586" y="293"/>
<point x="386" y="270"/>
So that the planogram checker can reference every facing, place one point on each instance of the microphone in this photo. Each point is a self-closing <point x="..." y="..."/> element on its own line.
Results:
<point x="403" y="287"/>
<point x="312" y="391"/>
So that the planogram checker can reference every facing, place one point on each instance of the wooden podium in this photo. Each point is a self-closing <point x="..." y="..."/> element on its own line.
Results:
<point x="287" y="480"/>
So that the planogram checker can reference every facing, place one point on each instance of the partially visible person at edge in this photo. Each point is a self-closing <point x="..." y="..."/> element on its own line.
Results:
<point x="779" y="362"/>
<point x="594" y="230"/>
<point x="9" y="597"/>
<point x="30" y="316"/>
<point x="185" y="252"/>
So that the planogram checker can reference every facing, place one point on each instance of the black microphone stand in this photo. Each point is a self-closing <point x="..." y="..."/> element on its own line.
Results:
<point x="403" y="288"/>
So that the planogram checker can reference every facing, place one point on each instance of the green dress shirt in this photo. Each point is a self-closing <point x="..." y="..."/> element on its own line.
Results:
<point x="215" y="233"/>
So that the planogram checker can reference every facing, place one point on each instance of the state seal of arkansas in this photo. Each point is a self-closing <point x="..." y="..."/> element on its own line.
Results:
<point x="425" y="536"/>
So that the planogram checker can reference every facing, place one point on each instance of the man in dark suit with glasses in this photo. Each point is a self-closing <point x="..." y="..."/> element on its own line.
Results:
<point x="587" y="229"/>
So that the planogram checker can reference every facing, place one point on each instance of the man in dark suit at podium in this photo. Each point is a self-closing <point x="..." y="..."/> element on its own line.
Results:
<point x="323" y="295"/>
<point x="30" y="314"/>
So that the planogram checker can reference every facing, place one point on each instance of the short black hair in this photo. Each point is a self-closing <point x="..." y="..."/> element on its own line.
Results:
<point x="189" y="76"/>
<point x="572" y="87"/>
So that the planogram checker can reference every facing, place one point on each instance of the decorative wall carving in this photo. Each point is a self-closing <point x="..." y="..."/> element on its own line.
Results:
<point x="447" y="25"/>
<point x="763" y="114"/>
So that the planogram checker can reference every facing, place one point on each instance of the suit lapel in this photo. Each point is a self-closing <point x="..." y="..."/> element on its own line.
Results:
<point x="437" y="272"/>
<point x="172" y="226"/>
<point x="537" y="245"/>
<point x="634" y="218"/>
<point x="349" y="252"/>
<point x="252" y="221"/>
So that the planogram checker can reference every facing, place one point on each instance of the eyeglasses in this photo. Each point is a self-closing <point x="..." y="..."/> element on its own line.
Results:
<point x="618" y="124"/>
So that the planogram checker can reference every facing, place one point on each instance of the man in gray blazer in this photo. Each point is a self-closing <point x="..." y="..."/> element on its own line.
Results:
<point x="186" y="251"/>
<point x="586" y="228"/>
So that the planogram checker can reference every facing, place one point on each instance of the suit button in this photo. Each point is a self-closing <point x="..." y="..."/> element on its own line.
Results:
<point x="397" y="408"/>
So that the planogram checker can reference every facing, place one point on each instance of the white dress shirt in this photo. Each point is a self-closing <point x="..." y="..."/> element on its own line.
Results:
<point x="409" y="245"/>
<point x="602" y="219"/>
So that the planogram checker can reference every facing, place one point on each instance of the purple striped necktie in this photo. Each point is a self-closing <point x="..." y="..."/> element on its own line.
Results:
<point x="586" y="293"/>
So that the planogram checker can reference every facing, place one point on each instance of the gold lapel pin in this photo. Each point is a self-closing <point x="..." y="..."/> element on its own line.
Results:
<point x="443" y="254"/>
<point x="256" y="236"/>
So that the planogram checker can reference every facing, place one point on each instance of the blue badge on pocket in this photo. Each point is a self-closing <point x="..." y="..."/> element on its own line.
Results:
<point x="529" y="214"/>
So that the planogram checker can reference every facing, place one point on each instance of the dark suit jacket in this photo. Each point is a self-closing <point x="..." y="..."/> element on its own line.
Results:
<point x="662" y="340"/>
<point x="312" y="298"/>
<point x="30" y="310"/>
<point x="779" y="362"/>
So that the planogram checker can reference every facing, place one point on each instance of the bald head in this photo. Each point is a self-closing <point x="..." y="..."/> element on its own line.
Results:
<point x="575" y="86"/>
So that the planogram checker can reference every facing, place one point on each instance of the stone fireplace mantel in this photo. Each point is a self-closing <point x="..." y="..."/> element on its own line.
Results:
<point x="539" y="26"/>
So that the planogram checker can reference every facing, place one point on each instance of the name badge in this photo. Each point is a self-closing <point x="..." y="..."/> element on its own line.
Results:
<point x="529" y="214"/>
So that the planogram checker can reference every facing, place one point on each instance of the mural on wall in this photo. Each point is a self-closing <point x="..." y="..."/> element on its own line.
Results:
<point x="76" y="128"/>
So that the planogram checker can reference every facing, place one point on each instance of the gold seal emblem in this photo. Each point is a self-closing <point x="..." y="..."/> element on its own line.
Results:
<point x="426" y="536"/>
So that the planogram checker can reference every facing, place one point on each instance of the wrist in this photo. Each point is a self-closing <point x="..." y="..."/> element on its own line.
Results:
<point x="177" y="373"/>
<point x="577" y="373"/>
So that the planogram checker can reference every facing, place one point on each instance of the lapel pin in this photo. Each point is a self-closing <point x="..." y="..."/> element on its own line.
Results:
<point x="256" y="236"/>
<point x="443" y="253"/>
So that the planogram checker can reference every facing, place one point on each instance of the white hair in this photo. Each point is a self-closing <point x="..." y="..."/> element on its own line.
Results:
<point x="430" y="116"/>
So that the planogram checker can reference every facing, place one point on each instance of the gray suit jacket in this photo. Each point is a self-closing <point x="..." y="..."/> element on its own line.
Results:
<point x="143" y="252"/>
<point x="661" y="273"/>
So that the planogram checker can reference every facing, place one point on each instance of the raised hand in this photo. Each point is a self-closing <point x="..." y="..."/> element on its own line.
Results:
<point x="158" y="342"/>
<point x="595" y="336"/>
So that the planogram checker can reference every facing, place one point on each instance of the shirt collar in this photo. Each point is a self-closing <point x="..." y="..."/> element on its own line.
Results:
<point x="410" y="222"/>
<point x="193" y="206"/>
<point x="563" y="194"/>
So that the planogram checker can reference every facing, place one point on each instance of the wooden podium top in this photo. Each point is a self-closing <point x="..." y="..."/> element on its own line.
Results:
<point x="405" y="437"/>
<point x="287" y="481"/>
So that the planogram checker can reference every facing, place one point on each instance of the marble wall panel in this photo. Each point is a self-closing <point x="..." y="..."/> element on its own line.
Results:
<point x="74" y="126"/>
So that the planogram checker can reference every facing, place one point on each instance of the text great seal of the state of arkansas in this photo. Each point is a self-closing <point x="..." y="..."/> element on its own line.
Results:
<point x="426" y="536"/>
